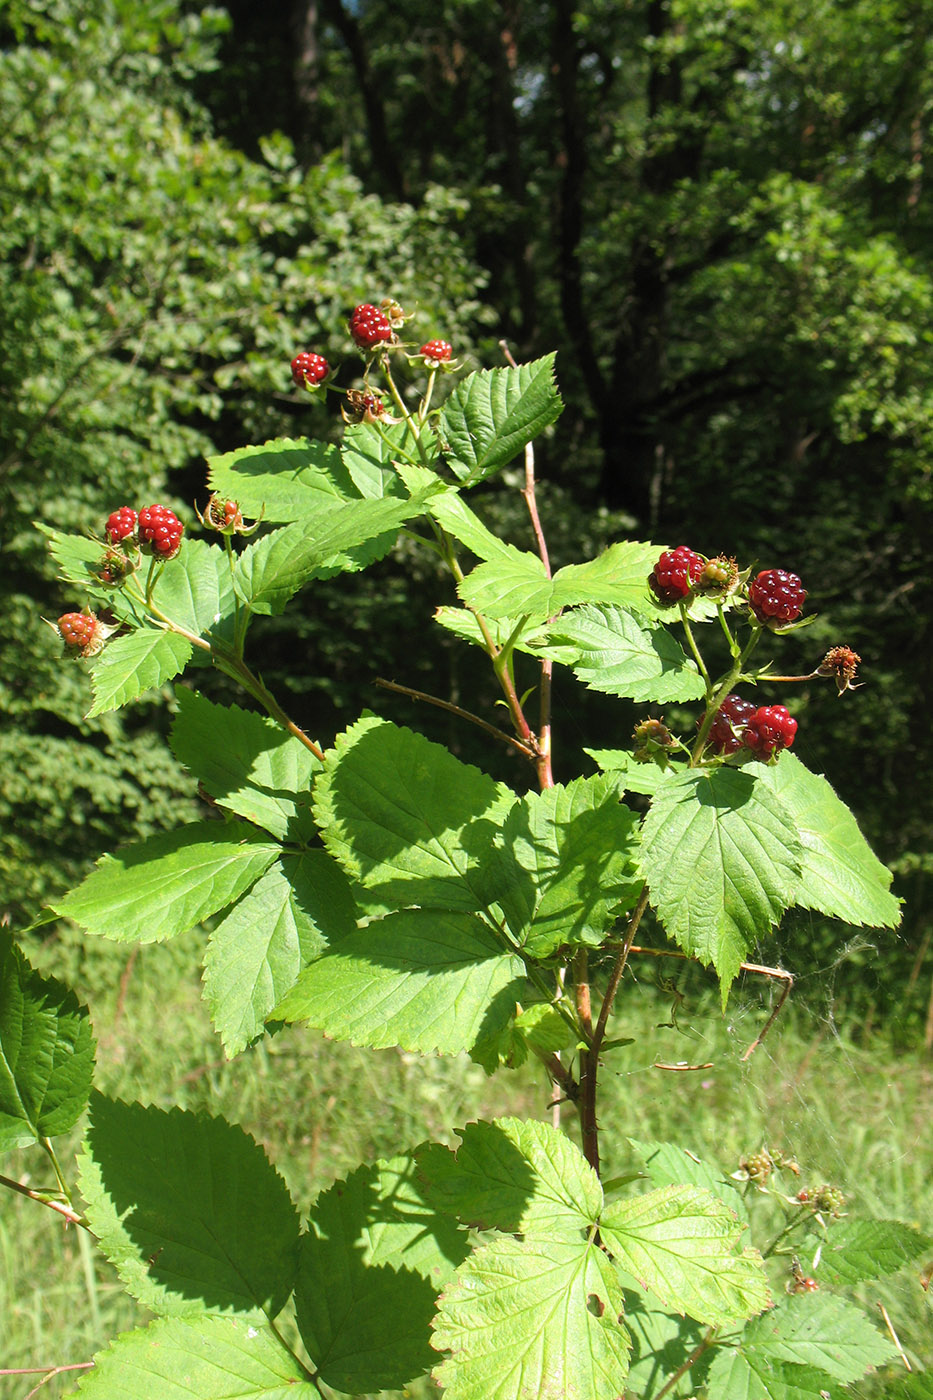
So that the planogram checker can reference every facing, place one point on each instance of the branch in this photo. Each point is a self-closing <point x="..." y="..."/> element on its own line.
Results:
<point x="453" y="709"/>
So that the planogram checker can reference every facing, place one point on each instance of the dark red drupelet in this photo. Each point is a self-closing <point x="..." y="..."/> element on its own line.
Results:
<point x="768" y="730"/>
<point x="309" y="370"/>
<point x="160" y="531"/>
<point x="675" y="573"/>
<point x="776" y="596"/>
<point x="725" y="735"/>
<point x="369" y="326"/>
<point x="121" y="524"/>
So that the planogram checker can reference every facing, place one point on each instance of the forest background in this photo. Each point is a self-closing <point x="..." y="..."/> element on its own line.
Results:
<point x="718" y="214"/>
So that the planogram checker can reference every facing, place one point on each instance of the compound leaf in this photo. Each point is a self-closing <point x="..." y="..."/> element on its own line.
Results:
<point x="525" y="1177"/>
<point x="281" y="480"/>
<point x="680" y="1243"/>
<point x="618" y="652"/>
<point x="854" y="1251"/>
<point x="178" y="1358"/>
<point x="46" y="1053"/>
<point x="493" y="413"/>
<point x="407" y="819"/>
<point x="514" y="583"/>
<point x="722" y="862"/>
<point x="247" y="763"/>
<point x="424" y="979"/>
<point x="195" y="590"/>
<point x="533" y="1318"/>
<point x="168" y="883"/>
<point x="300" y="905"/>
<point x="189" y="1209"/>
<point x="818" y="1330"/>
<point x="371" y="1264"/>
<point x="571" y="867"/>
<point x="840" y="873"/>
<point x="130" y="665"/>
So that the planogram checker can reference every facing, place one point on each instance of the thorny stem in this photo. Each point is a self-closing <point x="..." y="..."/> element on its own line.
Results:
<point x="457" y="710"/>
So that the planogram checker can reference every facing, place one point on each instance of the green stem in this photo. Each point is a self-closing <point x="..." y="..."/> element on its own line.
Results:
<point x="723" y="687"/>
<point x="691" y="642"/>
<point x="426" y="401"/>
<point x="414" y="425"/>
<point x="46" y="1144"/>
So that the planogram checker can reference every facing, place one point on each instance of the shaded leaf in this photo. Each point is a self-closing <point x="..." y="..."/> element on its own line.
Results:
<point x="247" y="763"/>
<point x="525" y="1177"/>
<point x="735" y="1376"/>
<point x="189" y="1209"/>
<point x="371" y="1264"/>
<point x="46" y="1053"/>
<point x="281" y="480"/>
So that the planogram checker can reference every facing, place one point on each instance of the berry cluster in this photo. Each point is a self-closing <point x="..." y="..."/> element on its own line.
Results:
<point x="757" y="1166"/>
<point x="675" y="573"/>
<point x="309" y="370"/>
<point x="768" y="730"/>
<point x="159" y="531"/>
<point x="776" y="596"/>
<point x="369" y="326"/>
<point x="121" y="525"/>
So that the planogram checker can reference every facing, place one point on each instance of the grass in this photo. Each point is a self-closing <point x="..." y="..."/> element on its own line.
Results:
<point x="850" y="1114"/>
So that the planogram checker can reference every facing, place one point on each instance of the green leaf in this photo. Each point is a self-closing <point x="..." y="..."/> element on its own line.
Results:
<point x="570" y="850"/>
<point x="371" y="1264"/>
<point x="841" y="875"/>
<point x="282" y="480"/>
<point x="248" y="764"/>
<point x="631" y="776"/>
<point x="661" y="1343"/>
<point x="422" y="979"/>
<point x="538" y="1029"/>
<point x="254" y="956"/>
<point x="680" y="1243"/>
<point x="819" y="1330"/>
<point x="669" y="1165"/>
<point x="514" y="584"/>
<point x="168" y="883"/>
<point x="346" y="535"/>
<point x="619" y="653"/>
<point x="370" y="453"/>
<point x="135" y="663"/>
<point x="189" y="1210"/>
<point x="524" y="1177"/>
<point x="735" y="1376"/>
<point x="465" y="624"/>
<point x="533" y="1318"/>
<point x="408" y="820"/>
<point x="492" y="414"/>
<point x="78" y="559"/>
<point x="856" y="1250"/>
<point x="453" y="514"/>
<point x="722" y="861"/>
<point x="195" y="590"/>
<point x="176" y="1358"/>
<point x="46" y="1053"/>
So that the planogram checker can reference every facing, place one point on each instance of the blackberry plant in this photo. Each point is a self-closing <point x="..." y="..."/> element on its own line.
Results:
<point x="382" y="891"/>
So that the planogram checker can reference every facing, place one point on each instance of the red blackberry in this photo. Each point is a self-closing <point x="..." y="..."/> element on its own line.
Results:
<point x="776" y="596"/>
<point x="768" y="730"/>
<point x="725" y="735"/>
<point x="438" y="350"/>
<point x="309" y="370"/>
<point x="369" y="326"/>
<point x="160" y="531"/>
<point x="675" y="574"/>
<point x="83" y="633"/>
<point x="121" y="524"/>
